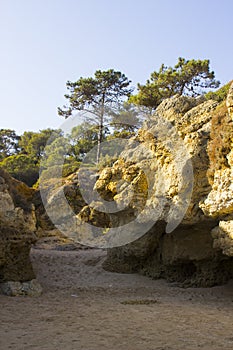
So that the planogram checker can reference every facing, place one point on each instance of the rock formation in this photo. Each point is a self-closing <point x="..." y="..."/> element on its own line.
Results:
<point x="199" y="251"/>
<point x="178" y="173"/>
<point x="17" y="234"/>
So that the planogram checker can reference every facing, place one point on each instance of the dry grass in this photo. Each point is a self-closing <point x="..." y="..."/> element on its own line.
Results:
<point x="220" y="140"/>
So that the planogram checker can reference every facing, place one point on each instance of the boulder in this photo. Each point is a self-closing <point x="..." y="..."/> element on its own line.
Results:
<point x="17" y="231"/>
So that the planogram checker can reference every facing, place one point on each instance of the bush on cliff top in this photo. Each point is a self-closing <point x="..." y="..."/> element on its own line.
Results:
<point x="220" y="94"/>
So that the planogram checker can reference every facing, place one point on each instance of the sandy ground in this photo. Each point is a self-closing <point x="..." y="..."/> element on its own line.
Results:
<point x="86" y="308"/>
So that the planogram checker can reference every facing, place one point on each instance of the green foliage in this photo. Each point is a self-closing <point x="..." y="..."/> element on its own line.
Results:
<point x="63" y="155"/>
<point x="58" y="160"/>
<point x="100" y="97"/>
<point x="8" y="143"/>
<point x="124" y="134"/>
<point x="125" y="119"/>
<point x="105" y="88"/>
<point x="70" y="167"/>
<point x="187" y="77"/>
<point x="220" y="94"/>
<point x="33" y="143"/>
<point x="96" y="95"/>
<point x="20" y="155"/>
<point x="55" y="153"/>
<point x="22" y="168"/>
<point x="83" y="138"/>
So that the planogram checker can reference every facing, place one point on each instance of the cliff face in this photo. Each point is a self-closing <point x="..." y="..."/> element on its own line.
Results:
<point x="17" y="233"/>
<point x="170" y="192"/>
<point x="219" y="202"/>
<point x="200" y="249"/>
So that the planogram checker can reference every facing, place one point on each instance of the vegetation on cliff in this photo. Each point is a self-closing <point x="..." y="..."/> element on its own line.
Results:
<point x="187" y="77"/>
<point x="111" y="112"/>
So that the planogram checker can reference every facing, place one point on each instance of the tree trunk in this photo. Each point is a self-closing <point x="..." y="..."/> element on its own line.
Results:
<point x="100" y="132"/>
<point x="100" y="137"/>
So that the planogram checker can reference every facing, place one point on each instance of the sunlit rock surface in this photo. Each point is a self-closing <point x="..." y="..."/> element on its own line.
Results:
<point x="177" y="173"/>
<point x="199" y="251"/>
<point x="17" y="233"/>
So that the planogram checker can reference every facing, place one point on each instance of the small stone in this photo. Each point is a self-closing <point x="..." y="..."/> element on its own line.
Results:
<point x="30" y="288"/>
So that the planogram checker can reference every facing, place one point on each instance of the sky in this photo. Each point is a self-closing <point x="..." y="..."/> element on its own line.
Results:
<point x="45" y="43"/>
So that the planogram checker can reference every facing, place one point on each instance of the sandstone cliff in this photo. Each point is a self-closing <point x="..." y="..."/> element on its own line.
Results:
<point x="17" y="234"/>
<point x="200" y="250"/>
<point x="177" y="173"/>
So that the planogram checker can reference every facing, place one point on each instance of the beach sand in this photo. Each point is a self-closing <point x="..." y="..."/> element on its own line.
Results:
<point x="86" y="308"/>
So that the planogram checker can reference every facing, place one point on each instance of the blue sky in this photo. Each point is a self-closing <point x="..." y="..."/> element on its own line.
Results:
<point x="45" y="43"/>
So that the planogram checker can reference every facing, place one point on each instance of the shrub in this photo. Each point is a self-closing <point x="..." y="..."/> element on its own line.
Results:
<point x="70" y="168"/>
<point x="220" y="94"/>
<point x="22" y="168"/>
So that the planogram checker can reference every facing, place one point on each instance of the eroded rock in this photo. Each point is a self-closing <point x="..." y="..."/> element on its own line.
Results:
<point x="177" y="171"/>
<point x="17" y="231"/>
<point x="198" y="252"/>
